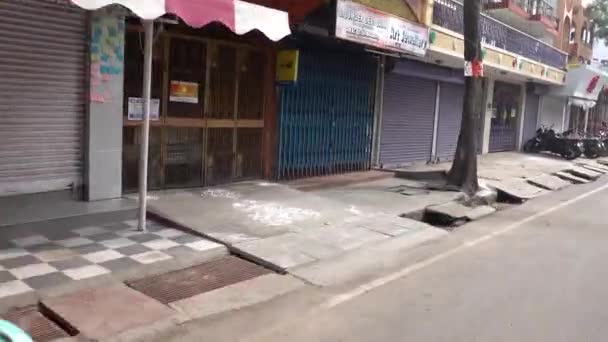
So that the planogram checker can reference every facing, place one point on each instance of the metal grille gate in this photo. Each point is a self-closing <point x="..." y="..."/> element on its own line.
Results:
<point x="326" y="118"/>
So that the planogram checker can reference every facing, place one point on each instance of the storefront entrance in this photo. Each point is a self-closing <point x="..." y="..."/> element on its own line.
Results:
<point x="208" y="117"/>
<point x="505" y="113"/>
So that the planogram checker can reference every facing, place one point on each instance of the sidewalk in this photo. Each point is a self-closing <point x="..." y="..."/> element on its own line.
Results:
<point x="325" y="237"/>
<point x="519" y="174"/>
<point x="50" y="258"/>
<point x="284" y="228"/>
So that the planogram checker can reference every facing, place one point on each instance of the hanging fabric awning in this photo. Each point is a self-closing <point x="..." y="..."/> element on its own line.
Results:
<point x="239" y="16"/>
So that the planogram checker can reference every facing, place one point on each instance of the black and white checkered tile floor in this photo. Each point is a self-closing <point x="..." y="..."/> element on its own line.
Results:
<point x="33" y="262"/>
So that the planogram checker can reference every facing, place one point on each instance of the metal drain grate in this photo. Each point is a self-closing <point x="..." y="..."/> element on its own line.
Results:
<point x="39" y="327"/>
<point x="173" y="286"/>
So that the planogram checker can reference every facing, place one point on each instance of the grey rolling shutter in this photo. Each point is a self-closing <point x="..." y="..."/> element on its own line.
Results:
<point x="407" y="121"/>
<point x="531" y="116"/>
<point x="450" y="116"/>
<point x="42" y="85"/>
<point x="552" y="112"/>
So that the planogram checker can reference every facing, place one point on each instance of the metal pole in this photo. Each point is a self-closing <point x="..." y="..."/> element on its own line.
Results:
<point x="145" y="130"/>
<point x="586" y="125"/>
<point x="434" y="158"/>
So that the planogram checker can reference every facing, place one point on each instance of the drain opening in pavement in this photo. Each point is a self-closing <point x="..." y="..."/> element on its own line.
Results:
<point x="435" y="219"/>
<point x="177" y="285"/>
<point x="449" y="223"/>
<point x="37" y="324"/>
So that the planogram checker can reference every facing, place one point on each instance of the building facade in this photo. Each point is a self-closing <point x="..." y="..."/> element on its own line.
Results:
<point x="373" y="84"/>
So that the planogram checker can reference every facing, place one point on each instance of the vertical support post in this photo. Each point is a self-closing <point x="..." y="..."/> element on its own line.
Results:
<point x="436" y="124"/>
<point x="586" y="120"/>
<point x="522" y="117"/>
<point x="565" y="115"/>
<point x="145" y="132"/>
<point x="487" y="120"/>
<point x="377" y="130"/>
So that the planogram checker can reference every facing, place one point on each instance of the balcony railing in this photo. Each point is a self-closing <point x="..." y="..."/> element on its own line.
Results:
<point x="449" y="14"/>
<point x="542" y="8"/>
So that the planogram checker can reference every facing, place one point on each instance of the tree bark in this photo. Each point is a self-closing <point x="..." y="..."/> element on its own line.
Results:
<point x="463" y="173"/>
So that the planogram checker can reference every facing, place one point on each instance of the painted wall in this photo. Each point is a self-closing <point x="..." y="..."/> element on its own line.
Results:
<point x="453" y="44"/>
<point x="104" y="148"/>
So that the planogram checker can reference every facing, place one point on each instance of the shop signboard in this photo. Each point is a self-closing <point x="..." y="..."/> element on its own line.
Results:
<point x="287" y="66"/>
<point x="366" y="25"/>
<point x="186" y="92"/>
<point x="136" y="108"/>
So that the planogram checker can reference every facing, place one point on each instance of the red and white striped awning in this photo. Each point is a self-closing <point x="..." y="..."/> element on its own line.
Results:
<point x="239" y="16"/>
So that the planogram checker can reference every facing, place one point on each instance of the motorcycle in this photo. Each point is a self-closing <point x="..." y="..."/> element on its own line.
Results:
<point x="593" y="147"/>
<point x="546" y="140"/>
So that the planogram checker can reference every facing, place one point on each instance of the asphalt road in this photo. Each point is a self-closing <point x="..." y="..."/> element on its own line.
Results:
<point x="535" y="272"/>
<point x="544" y="280"/>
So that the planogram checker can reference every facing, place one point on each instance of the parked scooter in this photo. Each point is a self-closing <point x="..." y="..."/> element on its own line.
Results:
<point x="593" y="147"/>
<point x="547" y="140"/>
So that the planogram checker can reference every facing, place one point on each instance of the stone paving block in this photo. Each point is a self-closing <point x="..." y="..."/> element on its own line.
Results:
<point x="104" y="312"/>
<point x="411" y="224"/>
<point x="387" y="228"/>
<point x="584" y="173"/>
<point x="549" y="182"/>
<point x="480" y="211"/>
<point x="596" y="168"/>
<point x="236" y="296"/>
<point x="602" y="161"/>
<point x="451" y="209"/>
<point x="571" y="178"/>
<point x="344" y="237"/>
<point x="519" y="188"/>
<point x="281" y="251"/>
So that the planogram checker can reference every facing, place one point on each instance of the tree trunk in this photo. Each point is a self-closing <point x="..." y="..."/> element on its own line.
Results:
<point x="463" y="173"/>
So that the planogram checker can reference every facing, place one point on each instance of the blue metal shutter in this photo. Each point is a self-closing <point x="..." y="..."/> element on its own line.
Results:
<point x="42" y="95"/>
<point x="407" y="120"/>
<point x="326" y="118"/>
<point x="531" y="116"/>
<point x="450" y="115"/>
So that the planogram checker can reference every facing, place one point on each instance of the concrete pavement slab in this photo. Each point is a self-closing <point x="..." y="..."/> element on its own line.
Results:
<point x="584" y="173"/>
<point x="101" y="313"/>
<point x="480" y="211"/>
<point x="452" y="209"/>
<point x="284" y="251"/>
<point x="459" y="211"/>
<point x="596" y="168"/>
<point x="519" y="188"/>
<point x="344" y="237"/>
<point x="571" y="178"/>
<point x="602" y="161"/>
<point x="548" y="182"/>
<point x="362" y="261"/>
<point x="236" y="296"/>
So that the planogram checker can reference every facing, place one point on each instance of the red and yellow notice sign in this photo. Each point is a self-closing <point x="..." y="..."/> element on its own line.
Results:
<point x="182" y="91"/>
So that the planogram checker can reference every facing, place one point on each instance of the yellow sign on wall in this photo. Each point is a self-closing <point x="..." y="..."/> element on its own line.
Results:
<point x="287" y="65"/>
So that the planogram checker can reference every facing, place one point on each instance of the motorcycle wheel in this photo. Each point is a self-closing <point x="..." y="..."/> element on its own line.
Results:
<point x="571" y="153"/>
<point x="531" y="146"/>
<point x="591" y="153"/>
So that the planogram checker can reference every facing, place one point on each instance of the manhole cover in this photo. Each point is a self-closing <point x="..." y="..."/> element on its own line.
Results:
<point x="39" y="327"/>
<point x="173" y="286"/>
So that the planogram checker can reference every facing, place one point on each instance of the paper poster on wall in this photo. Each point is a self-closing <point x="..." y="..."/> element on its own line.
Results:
<point x="136" y="108"/>
<point x="186" y="92"/>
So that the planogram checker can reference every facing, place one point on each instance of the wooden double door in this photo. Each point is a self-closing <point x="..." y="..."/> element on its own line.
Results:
<point x="210" y="121"/>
